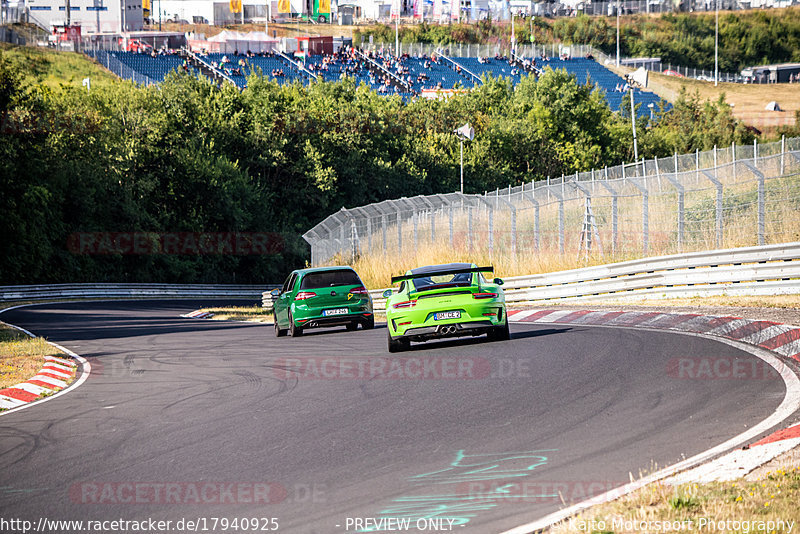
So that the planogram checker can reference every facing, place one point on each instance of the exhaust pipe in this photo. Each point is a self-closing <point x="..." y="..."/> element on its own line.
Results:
<point x="447" y="330"/>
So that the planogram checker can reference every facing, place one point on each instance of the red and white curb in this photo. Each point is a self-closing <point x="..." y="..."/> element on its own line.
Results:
<point x="738" y="463"/>
<point x="52" y="377"/>
<point x="763" y="337"/>
<point x="776" y="337"/>
<point x="198" y="314"/>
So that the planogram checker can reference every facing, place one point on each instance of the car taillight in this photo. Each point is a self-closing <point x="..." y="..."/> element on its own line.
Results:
<point x="406" y="304"/>
<point x="359" y="291"/>
<point x="484" y="295"/>
<point x="303" y="295"/>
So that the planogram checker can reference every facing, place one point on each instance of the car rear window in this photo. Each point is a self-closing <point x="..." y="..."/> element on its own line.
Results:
<point x="443" y="280"/>
<point x="329" y="279"/>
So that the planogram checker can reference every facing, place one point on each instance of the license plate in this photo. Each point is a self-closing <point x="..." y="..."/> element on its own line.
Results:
<point x="441" y="316"/>
<point x="337" y="311"/>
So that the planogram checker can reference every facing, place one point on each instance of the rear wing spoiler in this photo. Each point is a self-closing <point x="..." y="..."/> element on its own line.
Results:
<point x="487" y="269"/>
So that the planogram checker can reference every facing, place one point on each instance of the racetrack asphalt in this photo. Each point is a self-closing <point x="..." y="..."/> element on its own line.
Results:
<point x="494" y="434"/>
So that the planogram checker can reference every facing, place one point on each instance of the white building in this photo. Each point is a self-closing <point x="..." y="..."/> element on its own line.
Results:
<point x="93" y="16"/>
<point x="210" y="11"/>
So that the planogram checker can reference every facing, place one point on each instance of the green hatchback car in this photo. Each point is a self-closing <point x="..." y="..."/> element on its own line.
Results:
<point x="321" y="297"/>
<point x="441" y="301"/>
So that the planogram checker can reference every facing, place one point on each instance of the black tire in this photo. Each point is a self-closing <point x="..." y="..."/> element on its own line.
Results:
<point x="500" y="333"/>
<point x="322" y="19"/>
<point x="351" y="326"/>
<point x="294" y="331"/>
<point x="279" y="332"/>
<point x="370" y="324"/>
<point x="398" y="345"/>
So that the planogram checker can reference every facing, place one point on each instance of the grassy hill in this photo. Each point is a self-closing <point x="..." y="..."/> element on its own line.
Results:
<point x="54" y="69"/>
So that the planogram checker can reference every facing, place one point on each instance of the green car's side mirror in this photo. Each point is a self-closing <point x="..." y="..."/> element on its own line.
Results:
<point x="275" y="292"/>
<point x="387" y="293"/>
<point x="498" y="281"/>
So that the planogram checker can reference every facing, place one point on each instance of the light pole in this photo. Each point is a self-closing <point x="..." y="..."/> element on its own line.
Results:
<point x="467" y="133"/>
<point x="617" y="33"/>
<point x="638" y="77"/>
<point x="716" y="45"/>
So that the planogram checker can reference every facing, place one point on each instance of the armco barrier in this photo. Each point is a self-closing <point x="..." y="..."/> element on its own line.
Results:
<point x="770" y="269"/>
<point x="129" y="291"/>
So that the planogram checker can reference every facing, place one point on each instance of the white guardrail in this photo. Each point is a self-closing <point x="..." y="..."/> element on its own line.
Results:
<point x="764" y="270"/>
<point x="130" y="291"/>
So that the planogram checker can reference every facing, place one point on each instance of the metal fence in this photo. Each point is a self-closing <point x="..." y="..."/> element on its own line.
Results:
<point x="723" y="198"/>
<point x="110" y="61"/>
<point x="130" y="291"/>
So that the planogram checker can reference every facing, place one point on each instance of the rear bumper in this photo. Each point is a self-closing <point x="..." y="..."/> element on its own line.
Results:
<point x="471" y="328"/>
<point x="336" y="320"/>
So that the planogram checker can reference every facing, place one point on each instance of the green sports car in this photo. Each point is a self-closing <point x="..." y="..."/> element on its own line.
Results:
<point x="320" y="297"/>
<point x="440" y="301"/>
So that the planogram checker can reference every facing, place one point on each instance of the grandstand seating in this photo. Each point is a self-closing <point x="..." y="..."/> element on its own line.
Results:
<point x="437" y="74"/>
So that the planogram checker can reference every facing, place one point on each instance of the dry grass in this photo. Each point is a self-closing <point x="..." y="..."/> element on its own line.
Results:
<point x="772" y="497"/>
<point x="748" y="101"/>
<point x="241" y="313"/>
<point x="21" y="356"/>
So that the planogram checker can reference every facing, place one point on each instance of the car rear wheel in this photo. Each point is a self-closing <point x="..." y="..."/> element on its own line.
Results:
<point x="294" y="330"/>
<point x="398" y="345"/>
<point x="351" y="326"/>
<point x="279" y="332"/>
<point x="370" y="324"/>
<point x="500" y="333"/>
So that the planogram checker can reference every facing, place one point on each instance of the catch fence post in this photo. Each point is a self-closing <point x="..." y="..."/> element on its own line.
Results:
<point x="450" y="216"/>
<point x="469" y="228"/>
<point x="645" y="214"/>
<point x="532" y="199"/>
<point x="715" y="162"/>
<point x="755" y="153"/>
<point x="697" y="164"/>
<point x="399" y="232"/>
<point x="733" y="159"/>
<point x="719" y="221"/>
<point x="681" y="196"/>
<point x="614" y="195"/>
<point x="383" y="231"/>
<point x="415" y="220"/>
<point x="342" y="239"/>
<point x="762" y="224"/>
<point x="783" y="153"/>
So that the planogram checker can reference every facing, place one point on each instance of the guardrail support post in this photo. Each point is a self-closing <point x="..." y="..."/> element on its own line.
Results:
<point x="762" y="225"/>
<point x="718" y="217"/>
